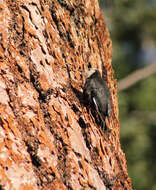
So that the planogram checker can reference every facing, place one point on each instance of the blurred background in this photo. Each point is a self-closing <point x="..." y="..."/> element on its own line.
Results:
<point x="132" y="26"/>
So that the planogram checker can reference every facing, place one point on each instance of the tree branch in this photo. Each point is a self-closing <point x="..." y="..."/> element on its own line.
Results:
<point x="136" y="76"/>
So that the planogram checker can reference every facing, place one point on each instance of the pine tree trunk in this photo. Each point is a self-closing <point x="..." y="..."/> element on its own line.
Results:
<point x="48" y="139"/>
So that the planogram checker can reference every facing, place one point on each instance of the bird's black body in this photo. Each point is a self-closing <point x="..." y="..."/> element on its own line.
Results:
<point x="96" y="95"/>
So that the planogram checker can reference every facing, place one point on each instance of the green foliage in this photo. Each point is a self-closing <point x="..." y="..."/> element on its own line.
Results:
<point x="132" y="27"/>
<point x="148" y="92"/>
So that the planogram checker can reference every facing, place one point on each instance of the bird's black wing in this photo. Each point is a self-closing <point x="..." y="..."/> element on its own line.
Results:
<point x="99" y="113"/>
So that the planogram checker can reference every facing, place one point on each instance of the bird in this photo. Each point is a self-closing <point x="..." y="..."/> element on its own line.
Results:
<point x="96" y="94"/>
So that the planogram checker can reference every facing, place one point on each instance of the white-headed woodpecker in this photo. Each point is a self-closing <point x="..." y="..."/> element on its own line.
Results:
<point x="96" y="94"/>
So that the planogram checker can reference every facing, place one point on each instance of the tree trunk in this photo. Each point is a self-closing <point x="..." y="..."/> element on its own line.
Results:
<point x="48" y="139"/>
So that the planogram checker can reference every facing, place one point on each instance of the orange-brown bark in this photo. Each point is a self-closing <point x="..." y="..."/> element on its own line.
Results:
<point x="48" y="139"/>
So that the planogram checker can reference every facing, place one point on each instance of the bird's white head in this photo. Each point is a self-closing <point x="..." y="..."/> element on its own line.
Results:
<point x="90" y="71"/>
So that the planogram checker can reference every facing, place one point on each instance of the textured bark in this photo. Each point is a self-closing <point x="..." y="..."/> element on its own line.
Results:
<point x="48" y="139"/>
